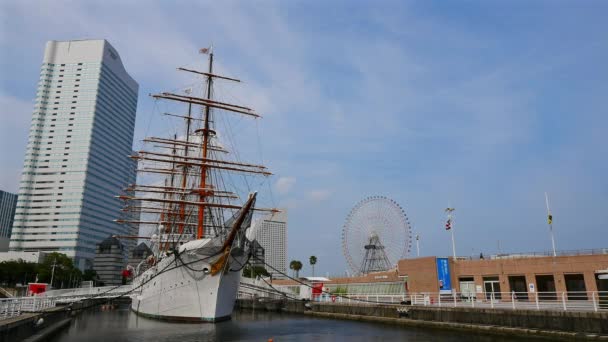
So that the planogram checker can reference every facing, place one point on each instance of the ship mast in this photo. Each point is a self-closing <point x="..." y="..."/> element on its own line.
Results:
<point x="201" y="210"/>
<point x="182" y="209"/>
<point x="196" y="162"/>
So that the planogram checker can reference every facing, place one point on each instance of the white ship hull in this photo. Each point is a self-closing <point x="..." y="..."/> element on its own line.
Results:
<point x="188" y="292"/>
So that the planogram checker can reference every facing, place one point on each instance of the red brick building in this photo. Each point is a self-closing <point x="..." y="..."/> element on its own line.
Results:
<point x="518" y="273"/>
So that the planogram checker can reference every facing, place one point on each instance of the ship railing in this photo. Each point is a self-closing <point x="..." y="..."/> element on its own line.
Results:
<point x="547" y="300"/>
<point x="101" y="291"/>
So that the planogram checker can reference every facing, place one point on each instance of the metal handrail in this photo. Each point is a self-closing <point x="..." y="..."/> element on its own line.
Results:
<point x="571" y="252"/>
<point x="556" y="300"/>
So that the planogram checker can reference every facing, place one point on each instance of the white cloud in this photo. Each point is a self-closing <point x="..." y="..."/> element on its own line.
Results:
<point x="319" y="194"/>
<point x="284" y="184"/>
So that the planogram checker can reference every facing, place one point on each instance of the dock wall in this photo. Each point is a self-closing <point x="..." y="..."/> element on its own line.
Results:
<point x="554" y="325"/>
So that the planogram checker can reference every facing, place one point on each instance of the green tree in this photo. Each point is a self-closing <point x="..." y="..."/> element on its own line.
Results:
<point x="90" y="275"/>
<point x="313" y="261"/>
<point x="296" y="266"/>
<point x="17" y="272"/>
<point x="255" y="271"/>
<point x="64" y="274"/>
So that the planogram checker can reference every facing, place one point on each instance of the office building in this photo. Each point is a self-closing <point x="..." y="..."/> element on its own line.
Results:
<point x="109" y="261"/>
<point x="8" y="202"/>
<point x="76" y="159"/>
<point x="271" y="233"/>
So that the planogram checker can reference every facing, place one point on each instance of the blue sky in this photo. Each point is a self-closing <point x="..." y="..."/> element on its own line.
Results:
<point x="484" y="104"/>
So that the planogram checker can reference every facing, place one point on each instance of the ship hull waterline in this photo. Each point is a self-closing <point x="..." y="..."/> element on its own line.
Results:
<point x="188" y="293"/>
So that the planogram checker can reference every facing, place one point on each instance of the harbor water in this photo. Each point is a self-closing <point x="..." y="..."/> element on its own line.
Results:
<point x="122" y="325"/>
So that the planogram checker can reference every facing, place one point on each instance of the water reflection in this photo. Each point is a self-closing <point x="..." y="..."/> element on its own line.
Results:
<point x="122" y="325"/>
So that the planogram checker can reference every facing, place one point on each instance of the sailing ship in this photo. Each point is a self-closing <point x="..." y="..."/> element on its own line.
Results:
<point x="200" y="244"/>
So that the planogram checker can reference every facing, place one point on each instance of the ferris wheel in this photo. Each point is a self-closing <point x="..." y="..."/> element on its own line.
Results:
<point x="376" y="234"/>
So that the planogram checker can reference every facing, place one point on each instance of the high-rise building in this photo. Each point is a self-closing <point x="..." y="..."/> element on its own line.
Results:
<point x="271" y="233"/>
<point x="76" y="159"/>
<point x="8" y="202"/>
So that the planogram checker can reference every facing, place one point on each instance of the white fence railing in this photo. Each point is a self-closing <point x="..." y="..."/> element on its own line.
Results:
<point x="11" y="307"/>
<point x="565" y="301"/>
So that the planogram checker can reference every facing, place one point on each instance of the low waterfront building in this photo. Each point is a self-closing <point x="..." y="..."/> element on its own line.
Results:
<point x="579" y="275"/>
<point x="109" y="261"/>
<point x="574" y="273"/>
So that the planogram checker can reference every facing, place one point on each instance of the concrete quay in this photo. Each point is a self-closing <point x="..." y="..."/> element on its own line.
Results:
<point x="552" y="325"/>
<point x="34" y="326"/>
<point x="39" y="326"/>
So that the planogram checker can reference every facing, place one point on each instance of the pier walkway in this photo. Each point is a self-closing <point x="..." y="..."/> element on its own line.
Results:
<point x="15" y="306"/>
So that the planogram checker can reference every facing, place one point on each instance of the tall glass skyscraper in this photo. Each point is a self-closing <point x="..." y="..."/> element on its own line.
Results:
<point x="8" y="203"/>
<point x="271" y="233"/>
<point x="77" y="153"/>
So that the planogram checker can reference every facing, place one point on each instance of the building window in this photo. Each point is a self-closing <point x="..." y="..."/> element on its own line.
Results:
<point x="575" y="285"/>
<point x="518" y="285"/>
<point x="546" y="284"/>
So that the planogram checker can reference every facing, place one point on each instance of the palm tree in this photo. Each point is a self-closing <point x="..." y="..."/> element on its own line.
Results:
<point x="292" y="266"/>
<point x="296" y="266"/>
<point x="313" y="261"/>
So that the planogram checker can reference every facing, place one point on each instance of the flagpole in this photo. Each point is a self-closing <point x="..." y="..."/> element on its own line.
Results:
<point x="550" y="222"/>
<point x="449" y="210"/>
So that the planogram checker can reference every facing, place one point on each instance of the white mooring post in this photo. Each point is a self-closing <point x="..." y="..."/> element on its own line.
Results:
<point x="454" y="296"/>
<point x="513" y="299"/>
<point x="439" y="299"/>
<point x="536" y="299"/>
<point x="564" y="300"/>
<point x="594" y="303"/>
